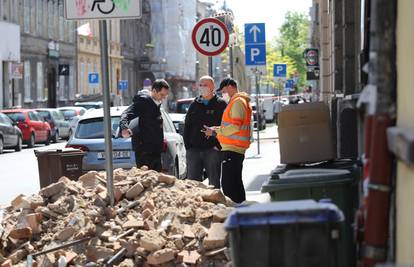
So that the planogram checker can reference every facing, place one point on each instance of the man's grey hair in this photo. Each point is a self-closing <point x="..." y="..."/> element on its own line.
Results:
<point x="207" y="78"/>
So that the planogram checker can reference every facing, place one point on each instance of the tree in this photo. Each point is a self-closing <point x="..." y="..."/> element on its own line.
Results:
<point x="293" y="41"/>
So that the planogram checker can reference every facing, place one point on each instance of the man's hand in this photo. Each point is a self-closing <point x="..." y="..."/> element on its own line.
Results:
<point x="208" y="131"/>
<point x="126" y="133"/>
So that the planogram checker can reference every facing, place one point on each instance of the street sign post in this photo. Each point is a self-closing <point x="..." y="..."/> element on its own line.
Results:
<point x="255" y="51"/>
<point x="102" y="9"/>
<point x="279" y="70"/>
<point x="210" y="36"/>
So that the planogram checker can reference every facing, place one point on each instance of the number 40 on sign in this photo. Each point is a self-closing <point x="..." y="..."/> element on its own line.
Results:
<point x="210" y="36"/>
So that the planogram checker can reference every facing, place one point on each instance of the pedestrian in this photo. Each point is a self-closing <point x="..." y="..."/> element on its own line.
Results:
<point x="234" y="135"/>
<point x="202" y="152"/>
<point x="146" y="128"/>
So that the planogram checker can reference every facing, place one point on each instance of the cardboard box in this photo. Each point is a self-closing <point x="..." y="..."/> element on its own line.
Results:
<point x="305" y="134"/>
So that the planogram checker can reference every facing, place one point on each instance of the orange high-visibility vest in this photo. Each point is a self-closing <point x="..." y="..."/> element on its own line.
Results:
<point x="242" y="137"/>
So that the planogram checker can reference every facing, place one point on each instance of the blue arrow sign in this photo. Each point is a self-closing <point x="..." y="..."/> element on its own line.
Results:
<point x="279" y="70"/>
<point x="290" y="83"/>
<point x="93" y="78"/>
<point x="255" y="40"/>
<point x="123" y="85"/>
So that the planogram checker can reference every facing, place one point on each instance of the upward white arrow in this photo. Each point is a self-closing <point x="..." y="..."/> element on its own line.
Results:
<point x="255" y="30"/>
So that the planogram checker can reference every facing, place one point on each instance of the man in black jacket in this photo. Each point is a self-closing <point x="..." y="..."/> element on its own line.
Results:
<point x="202" y="152"/>
<point x="147" y="140"/>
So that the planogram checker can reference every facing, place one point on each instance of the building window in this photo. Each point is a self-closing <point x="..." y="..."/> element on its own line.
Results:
<point x="50" y="19"/>
<point x="71" y="82"/>
<point x="72" y="26"/>
<point x="33" y="26"/>
<point x="4" y="10"/>
<point x="27" y="96"/>
<point x="56" y="18"/>
<point x="26" y="15"/>
<point x="61" y="23"/>
<point x="39" y="17"/>
<point x="62" y="87"/>
<point x="15" y="11"/>
<point x="40" y="81"/>
<point x="45" y="19"/>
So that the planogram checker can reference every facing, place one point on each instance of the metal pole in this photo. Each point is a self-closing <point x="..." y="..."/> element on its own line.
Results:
<point x="231" y="61"/>
<point x="210" y="66"/>
<point x="107" y="114"/>
<point x="258" y="112"/>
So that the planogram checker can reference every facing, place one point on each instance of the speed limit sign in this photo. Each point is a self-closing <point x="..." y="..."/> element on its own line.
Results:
<point x="210" y="36"/>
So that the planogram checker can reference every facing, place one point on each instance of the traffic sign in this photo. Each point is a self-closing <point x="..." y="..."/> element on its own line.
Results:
<point x="290" y="83"/>
<point x="279" y="70"/>
<point x="255" y="44"/>
<point x="102" y="9"/>
<point x="93" y="78"/>
<point x="312" y="57"/>
<point x="123" y="85"/>
<point x="210" y="36"/>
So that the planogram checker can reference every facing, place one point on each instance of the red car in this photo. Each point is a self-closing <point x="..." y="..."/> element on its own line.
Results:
<point x="34" y="129"/>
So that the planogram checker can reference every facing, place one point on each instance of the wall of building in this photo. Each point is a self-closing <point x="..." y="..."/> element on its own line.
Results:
<point x="405" y="174"/>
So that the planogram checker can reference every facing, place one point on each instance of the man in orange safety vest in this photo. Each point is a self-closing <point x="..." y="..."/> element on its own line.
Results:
<point x="234" y="135"/>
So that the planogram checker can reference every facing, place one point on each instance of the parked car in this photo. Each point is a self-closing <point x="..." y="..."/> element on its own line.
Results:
<point x="89" y="137"/>
<point x="10" y="134"/>
<point x="183" y="105"/>
<point x="34" y="129"/>
<point x="178" y="120"/>
<point x="59" y="127"/>
<point x="70" y="112"/>
<point x="89" y="105"/>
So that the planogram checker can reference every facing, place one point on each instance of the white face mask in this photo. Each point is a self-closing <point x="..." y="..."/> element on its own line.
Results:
<point x="226" y="97"/>
<point x="203" y="90"/>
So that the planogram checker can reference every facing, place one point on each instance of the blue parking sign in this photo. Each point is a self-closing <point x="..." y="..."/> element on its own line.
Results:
<point x="279" y="70"/>
<point x="93" y="78"/>
<point x="290" y="83"/>
<point x="255" y="44"/>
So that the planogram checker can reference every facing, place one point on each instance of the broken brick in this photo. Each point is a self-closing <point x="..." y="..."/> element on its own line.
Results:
<point x="32" y="220"/>
<point x="167" y="179"/>
<point x="190" y="257"/>
<point x="134" y="191"/>
<point x="65" y="233"/>
<point x="53" y="189"/>
<point x="152" y="241"/>
<point x="21" y="233"/>
<point x="214" y="196"/>
<point x="216" y="237"/>
<point x="161" y="256"/>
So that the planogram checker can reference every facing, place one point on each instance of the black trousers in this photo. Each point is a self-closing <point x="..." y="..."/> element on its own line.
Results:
<point x="150" y="159"/>
<point x="231" y="176"/>
<point x="199" y="159"/>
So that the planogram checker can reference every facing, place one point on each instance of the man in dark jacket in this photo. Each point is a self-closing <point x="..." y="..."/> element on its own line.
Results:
<point x="202" y="152"/>
<point x="147" y="140"/>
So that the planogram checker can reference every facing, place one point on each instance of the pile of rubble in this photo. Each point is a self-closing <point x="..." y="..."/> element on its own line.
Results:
<point x="157" y="220"/>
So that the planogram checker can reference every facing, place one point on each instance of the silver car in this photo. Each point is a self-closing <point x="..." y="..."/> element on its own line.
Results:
<point x="89" y="137"/>
<point x="59" y="126"/>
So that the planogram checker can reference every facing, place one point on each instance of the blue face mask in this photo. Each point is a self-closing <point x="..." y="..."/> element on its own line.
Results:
<point x="205" y="102"/>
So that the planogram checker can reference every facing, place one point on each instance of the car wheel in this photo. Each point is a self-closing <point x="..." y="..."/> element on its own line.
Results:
<point x="47" y="142"/>
<point x="31" y="141"/>
<point x="1" y="145"/>
<point x="176" y="169"/>
<point x="18" y="147"/>
<point x="55" y="137"/>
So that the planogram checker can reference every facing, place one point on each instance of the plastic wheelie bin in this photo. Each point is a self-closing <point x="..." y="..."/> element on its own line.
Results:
<point x="340" y="186"/>
<point x="287" y="233"/>
<point x="55" y="163"/>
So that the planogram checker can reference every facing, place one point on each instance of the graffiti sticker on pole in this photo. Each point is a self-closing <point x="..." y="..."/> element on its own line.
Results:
<point x="102" y="9"/>
<point x="210" y="36"/>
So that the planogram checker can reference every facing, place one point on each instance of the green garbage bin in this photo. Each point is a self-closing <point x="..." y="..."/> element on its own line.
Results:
<point x="55" y="163"/>
<point x="340" y="186"/>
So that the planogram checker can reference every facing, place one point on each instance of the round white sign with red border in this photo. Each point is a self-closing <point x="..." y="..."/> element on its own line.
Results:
<point x="210" y="36"/>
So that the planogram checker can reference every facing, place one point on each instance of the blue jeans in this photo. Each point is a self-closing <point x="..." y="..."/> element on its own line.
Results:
<point x="208" y="159"/>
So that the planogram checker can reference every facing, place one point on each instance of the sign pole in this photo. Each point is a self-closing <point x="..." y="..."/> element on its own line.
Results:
<point x="107" y="113"/>
<point x="231" y="61"/>
<point x="210" y="66"/>
<point x="258" y="111"/>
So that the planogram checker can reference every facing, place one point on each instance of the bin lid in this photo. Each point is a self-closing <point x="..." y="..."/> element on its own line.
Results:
<point x="284" y="212"/>
<point x="310" y="177"/>
<point x="66" y="151"/>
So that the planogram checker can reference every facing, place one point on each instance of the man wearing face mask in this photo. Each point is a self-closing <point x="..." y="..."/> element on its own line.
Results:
<point x="203" y="152"/>
<point x="234" y="136"/>
<point x="147" y="139"/>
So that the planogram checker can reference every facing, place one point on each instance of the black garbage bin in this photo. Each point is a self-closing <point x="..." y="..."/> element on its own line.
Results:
<point x="55" y="163"/>
<point x="287" y="233"/>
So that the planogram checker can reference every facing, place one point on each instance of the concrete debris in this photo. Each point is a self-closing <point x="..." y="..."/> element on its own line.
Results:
<point x="157" y="220"/>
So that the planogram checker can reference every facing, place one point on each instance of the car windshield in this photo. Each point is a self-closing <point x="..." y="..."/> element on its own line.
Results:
<point x="182" y="107"/>
<point x="45" y="114"/>
<point x="94" y="128"/>
<point x="16" y="116"/>
<point x="68" y="114"/>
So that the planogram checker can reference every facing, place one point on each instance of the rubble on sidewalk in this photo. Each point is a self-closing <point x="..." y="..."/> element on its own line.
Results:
<point x="157" y="220"/>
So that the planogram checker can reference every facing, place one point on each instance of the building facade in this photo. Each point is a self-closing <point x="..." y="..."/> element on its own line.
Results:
<point x="89" y="60"/>
<point x="48" y="53"/>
